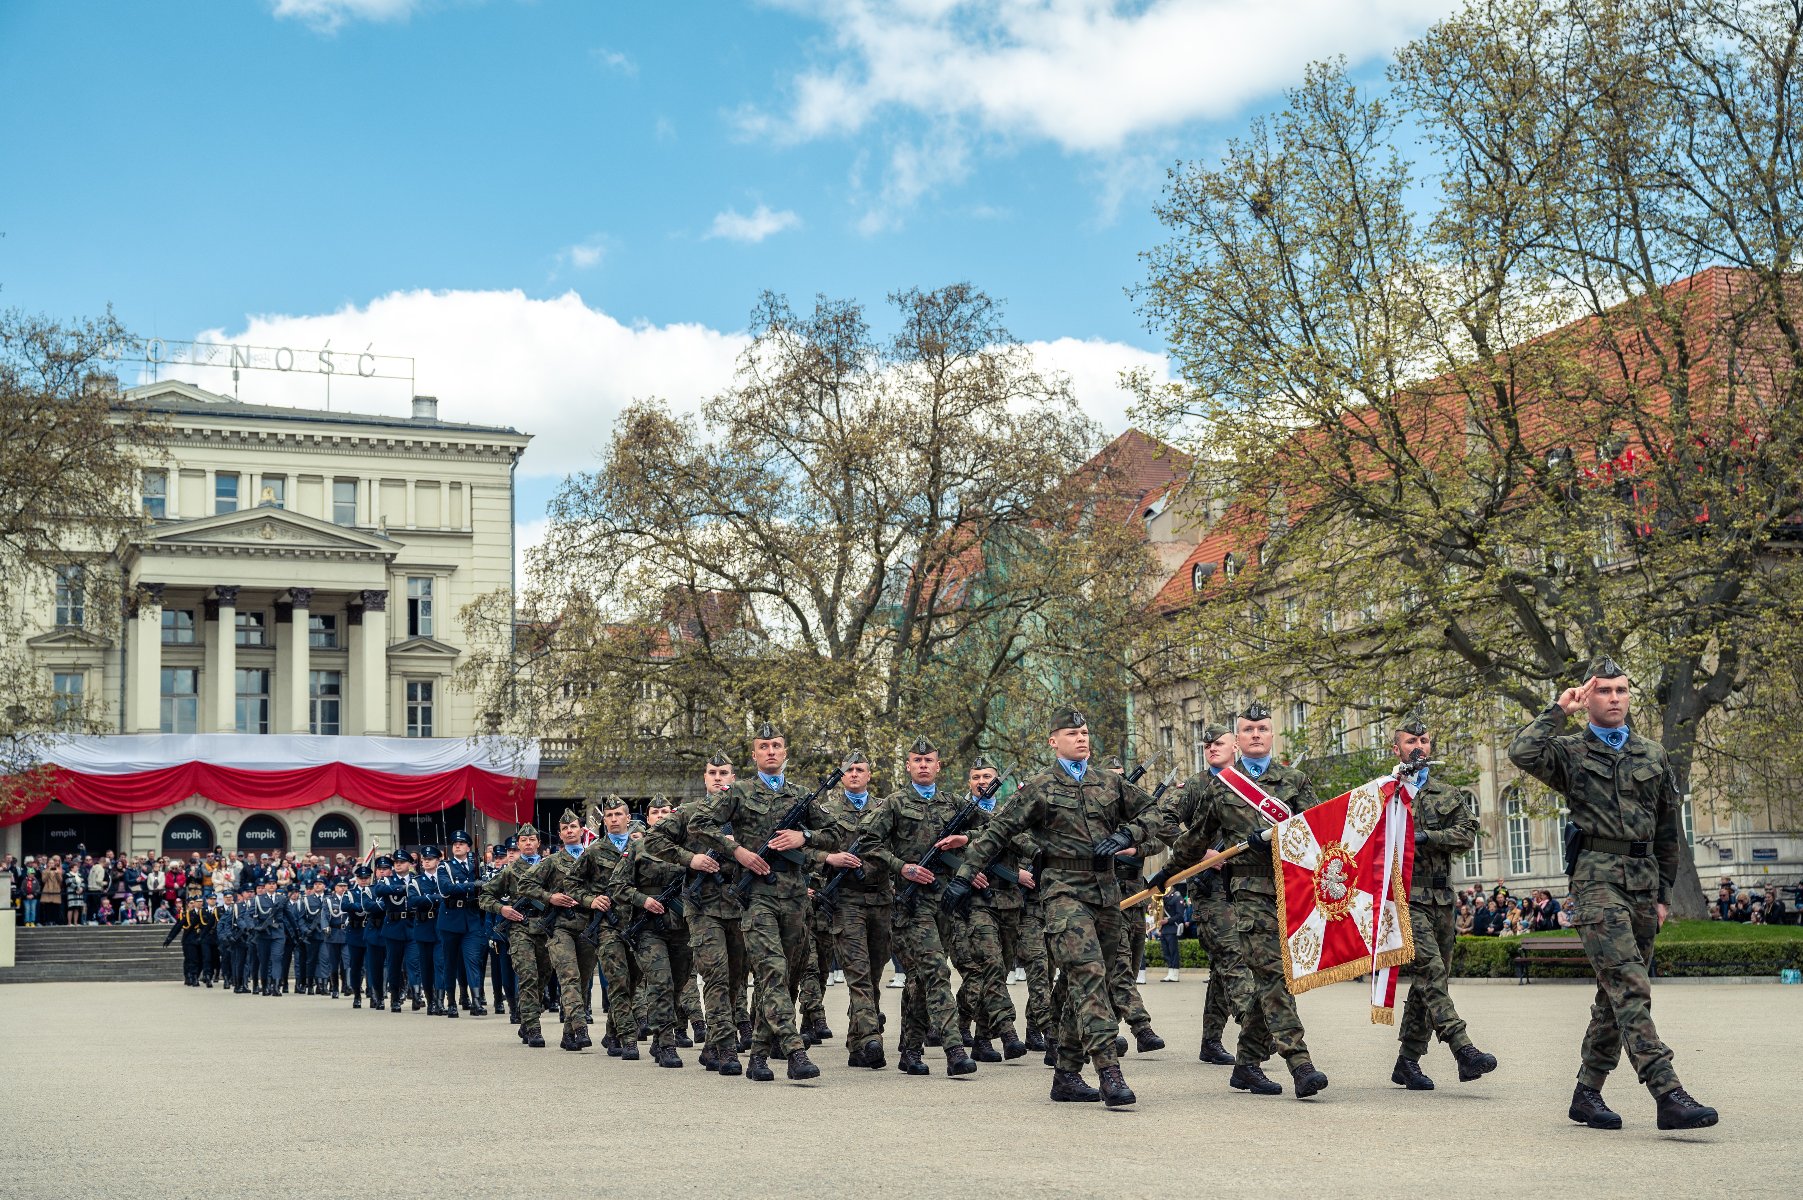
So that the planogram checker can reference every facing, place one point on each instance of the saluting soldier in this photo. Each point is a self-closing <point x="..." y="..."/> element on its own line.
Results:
<point x="553" y="881"/>
<point x="995" y="926"/>
<point x="741" y="823"/>
<point x="1629" y="841"/>
<point x="592" y="888"/>
<point x="1443" y="827"/>
<point x="1080" y="817"/>
<point x="527" y="948"/>
<point x="895" y="836"/>
<point x="715" y="918"/>
<point x="860" y="917"/>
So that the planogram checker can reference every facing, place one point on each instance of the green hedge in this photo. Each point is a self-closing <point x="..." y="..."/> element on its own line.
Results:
<point x="1189" y="953"/>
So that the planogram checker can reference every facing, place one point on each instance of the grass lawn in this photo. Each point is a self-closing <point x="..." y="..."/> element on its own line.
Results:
<point x="1710" y="931"/>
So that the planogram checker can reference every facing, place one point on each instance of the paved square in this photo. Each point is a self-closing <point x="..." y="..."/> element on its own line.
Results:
<point x="160" y="1090"/>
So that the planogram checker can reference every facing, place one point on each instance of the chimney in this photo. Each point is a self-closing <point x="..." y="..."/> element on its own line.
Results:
<point x="425" y="408"/>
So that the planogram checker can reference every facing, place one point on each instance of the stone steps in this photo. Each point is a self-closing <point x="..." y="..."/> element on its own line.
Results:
<point x="94" y="953"/>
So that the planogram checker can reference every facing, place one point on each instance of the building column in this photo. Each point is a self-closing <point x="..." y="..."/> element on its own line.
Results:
<point x="366" y="706"/>
<point x="144" y="663"/>
<point x="293" y="713"/>
<point x="220" y="674"/>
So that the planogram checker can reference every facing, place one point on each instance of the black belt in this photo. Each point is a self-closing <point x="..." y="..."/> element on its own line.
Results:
<point x="1086" y="866"/>
<point x="1606" y="845"/>
<point x="1432" y="881"/>
<point x="458" y="903"/>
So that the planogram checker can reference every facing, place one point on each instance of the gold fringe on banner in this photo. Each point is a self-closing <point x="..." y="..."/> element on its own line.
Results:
<point x="1382" y="1016"/>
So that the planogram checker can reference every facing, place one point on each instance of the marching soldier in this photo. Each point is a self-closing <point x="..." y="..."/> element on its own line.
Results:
<point x="363" y="940"/>
<point x="688" y="991"/>
<point x="554" y="881"/>
<point x="272" y="934"/>
<point x="593" y="891"/>
<point x="1624" y="845"/>
<point x="335" y="953"/>
<point x="860" y="918"/>
<point x="1443" y="827"/>
<point x="1079" y="817"/>
<point x="460" y="932"/>
<point x="995" y="927"/>
<point x="526" y="948"/>
<point x="422" y="937"/>
<point x="715" y="916"/>
<point x="1214" y="812"/>
<point x="741" y="822"/>
<point x="390" y="889"/>
<point x="895" y="835"/>
<point x="1123" y="985"/>
<point x="310" y="912"/>
<point x="227" y="935"/>
<point x="496" y="927"/>
<point x="209" y="936"/>
<point x="661" y="943"/>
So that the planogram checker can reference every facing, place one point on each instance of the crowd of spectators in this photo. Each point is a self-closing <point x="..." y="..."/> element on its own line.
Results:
<point x="1750" y="906"/>
<point x="1503" y="914"/>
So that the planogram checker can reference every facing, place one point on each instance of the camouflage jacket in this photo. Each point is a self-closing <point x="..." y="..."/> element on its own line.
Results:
<point x="673" y="841"/>
<point x="1444" y="827"/>
<point x="640" y="876"/>
<point x="900" y="829"/>
<point x="878" y="885"/>
<point x="557" y="872"/>
<point x="1628" y="795"/>
<point x="1016" y="856"/>
<point x="1209" y="812"/>
<point x="502" y="889"/>
<point x="1066" y="819"/>
<point x="746" y="814"/>
<point x="595" y="870"/>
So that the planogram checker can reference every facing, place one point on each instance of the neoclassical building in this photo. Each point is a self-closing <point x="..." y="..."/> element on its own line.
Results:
<point x="299" y="572"/>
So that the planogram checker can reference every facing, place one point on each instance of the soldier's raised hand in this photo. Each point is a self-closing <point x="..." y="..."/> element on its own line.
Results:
<point x="1577" y="698"/>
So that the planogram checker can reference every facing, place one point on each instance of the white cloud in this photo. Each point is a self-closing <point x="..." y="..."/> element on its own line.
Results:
<point x="760" y="224"/>
<point x="585" y="254"/>
<point x="328" y="15"/>
<point x="1094" y="368"/>
<point x="614" y="60"/>
<point x="527" y="535"/>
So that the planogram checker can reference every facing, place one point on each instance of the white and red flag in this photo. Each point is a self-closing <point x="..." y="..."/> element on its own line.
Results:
<point x="1342" y="891"/>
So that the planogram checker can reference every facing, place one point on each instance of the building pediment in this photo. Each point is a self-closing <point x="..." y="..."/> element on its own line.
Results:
<point x="423" y="649"/>
<point x="263" y="531"/>
<point x="69" y="639"/>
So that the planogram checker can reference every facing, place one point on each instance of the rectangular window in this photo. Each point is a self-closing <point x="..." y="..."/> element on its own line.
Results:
<point x="181" y="700"/>
<point x="156" y="494"/>
<point x="419" y="708"/>
<point x="419" y="606"/>
<point x="1298" y="726"/>
<point x="1472" y="863"/>
<point x="66" y="688"/>
<point x="275" y="492"/>
<point x="1521" y="849"/>
<point x="344" y="501"/>
<point x="178" y="627"/>
<point x="251" y="630"/>
<point x="253" y="700"/>
<point x="322" y="631"/>
<point x="325" y="692"/>
<point x="1199" y="759"/>
<point x="1689" y="817"/>
<point x="71" y="594"/>
<point x="225" y="492"/>
<point x="1336" y="735"/>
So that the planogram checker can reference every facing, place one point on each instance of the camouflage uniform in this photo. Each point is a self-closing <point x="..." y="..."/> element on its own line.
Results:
<point x="862" y="928"/>
<point x="1034" y="957"/>
<point x="995" y="933"/>
<point x="1123" y="988"/>
<point x="1626" y="803"/>
<point x="778" y="941"/>
<point x="1230" y="989"/>
<point x="571" y="958"/>
<point x="529" y="955"/>
<point x="1443" y="827"/>
<point x="897" y="831"/>
<point x="1066" y="818"/>
<point x="594" y="877"/>
<point x="714" y="916"/>
<point x="662" y="947"/>
<point x="1211" y="811"/>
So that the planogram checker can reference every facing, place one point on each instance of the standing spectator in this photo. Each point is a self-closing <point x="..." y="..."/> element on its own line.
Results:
<point x="99" y="877"/>
<point x="1176" y="914"/>
<point x="175" y="879"/>
<point x="153" y="881"/>
<point x="51" y="898"/>
<point x="75" y="902"/>
<point x="31" y="884"/>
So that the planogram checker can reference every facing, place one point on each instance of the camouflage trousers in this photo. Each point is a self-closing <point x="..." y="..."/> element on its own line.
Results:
<point x="927" y="1003"/>
<point x="1617" y="927"/>
<point x="1083" y="995"/>
<point x="615" y="964"/>
<point x="574" y="964"/>
<point x="531" y="967"/>
<point x="994" y="941"/>
<point x="778" y="944"/>
<point x="1122" y="990"/>
<point x="1229" y="983"/>
<point x="1032" y="951"/>
<point x="954" y="935"/>
<point x="663" y="958"/>
<point x="1429" y="1009"/>
<point x="812" y="989"/>
<point x="688" y="998"/>
<point x="717" y="945"/>
<point x="863" y="949"/>
<point x="1271" y="1024"/>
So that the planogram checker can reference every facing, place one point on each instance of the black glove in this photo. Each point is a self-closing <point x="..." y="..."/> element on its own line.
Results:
<point x="1113" y="844"/>
<point x="1421" y="837"/>
<point x="1255" y="840"/>
<point x="1157" y="879"/>
<point x="956" y="894"/>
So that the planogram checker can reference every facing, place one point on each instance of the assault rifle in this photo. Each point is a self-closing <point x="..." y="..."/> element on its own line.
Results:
<point x="591" y="933"/>
<point x="795" y="818"/>
<point x="826" y="896"/>
<point x="935" y="858"/>
<point x="1128" y="866"/>
<point x="670" y="897"/>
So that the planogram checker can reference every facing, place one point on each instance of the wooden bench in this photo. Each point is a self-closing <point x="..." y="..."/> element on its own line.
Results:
<point x="1565" y="950"/>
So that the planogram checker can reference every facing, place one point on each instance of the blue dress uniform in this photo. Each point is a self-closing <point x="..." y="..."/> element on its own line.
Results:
<point x="354" y="924"/>
<point x="375" y="955"/>
<point x="209" y="937"/>
<point x="272" y="939"/>
<point x="227" y="933"/>
<point x="460" y="927"/>
<point x="335" y="954"/>
<point x="500" y="961"/>
<point x="310" y="916"/>
<point x="422" y="938"/>
<point x="292" y="931"/>
<point x="391" y="890"/>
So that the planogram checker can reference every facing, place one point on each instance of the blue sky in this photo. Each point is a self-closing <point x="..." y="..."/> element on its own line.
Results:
<point x="555" y="207"/>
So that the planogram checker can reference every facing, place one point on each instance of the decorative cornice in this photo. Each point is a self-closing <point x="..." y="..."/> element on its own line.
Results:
<point x="227" y="593"/>
<point x="301" y="597"/>
<point x="374" y="600"/>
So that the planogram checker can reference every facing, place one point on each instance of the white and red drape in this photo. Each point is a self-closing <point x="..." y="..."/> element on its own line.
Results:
<point x="131" y="773"/>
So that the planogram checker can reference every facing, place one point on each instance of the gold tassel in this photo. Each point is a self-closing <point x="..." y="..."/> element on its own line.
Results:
<point x="1382" y="1016"/>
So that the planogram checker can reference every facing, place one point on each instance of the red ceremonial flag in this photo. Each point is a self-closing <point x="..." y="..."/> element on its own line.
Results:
<point x="1342" y="870"/>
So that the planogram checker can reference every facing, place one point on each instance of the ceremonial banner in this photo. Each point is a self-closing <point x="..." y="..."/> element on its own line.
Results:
<point x="1342" y="869"/>
<point x="1267" y="805"/>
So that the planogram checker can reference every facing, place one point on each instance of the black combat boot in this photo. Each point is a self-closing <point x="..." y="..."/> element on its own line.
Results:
<point x="1120" y="1046"/>
<point x="583" y="1037"/>
<point x="855" y="1057"/>
<point x="644" y="1030"/>
<point x="807" y="1034"/>
<point x="417" y="1002"/>
<point x="357" y="1000"/>
<point x="680" y="1039"/>
<point x="935" y="1040"/>
<point x="910" y="1062"/>
<point x="802" y="1067"/>
<point x="1250" y="1077"/>
<point x="984" y="1052"/>
<point x="1678" y="1110"/>
<point x="1588" y="1108"/>
<point x="759" y="1070"/>
<point x="1012" y="1046"/>
<point x="706" y="1059"/>
<point x="664" y="1054"/>
<point x="1214" y="1054"/>
<point x="959" y="1062"/>
<point x="729" y="1064"/>
<point x="433" y="1008"/>
<point x="744" y="1036"/>
<point x="334" y="990"/>
<point x="1309" y="1080"/>
<point x="513" y="1014"/>
<point x="873" y="1054"/>
<point x="1051" y="1054"/>
<point x="1408" y="1073"/>
<point x="522" y="1033"/>
<point x="569" y="1041"/>
<point x="1145" y="1040"/>
<point x="611" y="1044"/>
<point x="535" y="1039"/>
<point x="1035" y="1039"/>
<point x="450" y="1005"/>
<point x="1473" y="1063"/>
<point x="822" y="1031"/>
<point x="376" y="1004"/>
<point x="1115" y="1092"/>
<point x="698" y="1031"/>
<point x="629" y="1050"/>
<point x="1068" y="1087"/>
